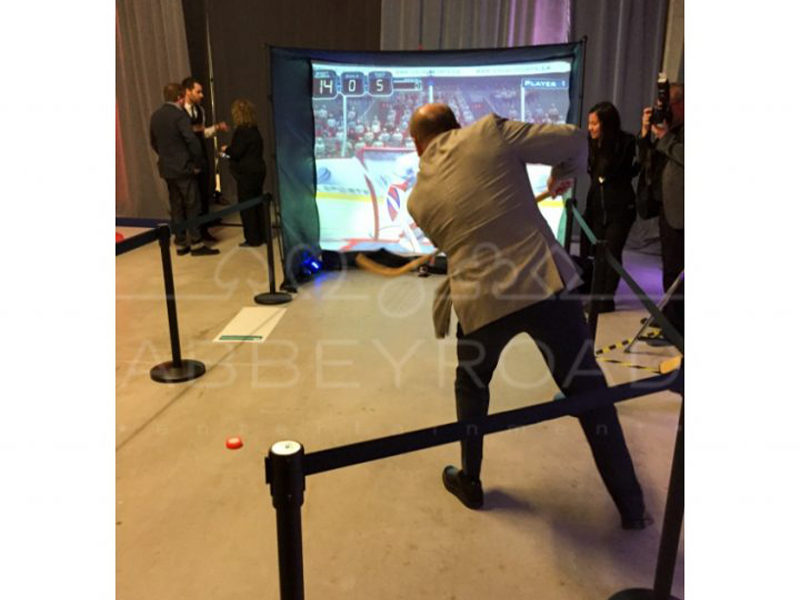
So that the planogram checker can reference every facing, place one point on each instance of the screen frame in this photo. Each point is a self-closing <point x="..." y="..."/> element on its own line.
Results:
<point x="293" y="121"/>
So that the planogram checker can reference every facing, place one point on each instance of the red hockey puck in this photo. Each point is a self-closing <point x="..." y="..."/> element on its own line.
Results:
<point x="234" y="443"/>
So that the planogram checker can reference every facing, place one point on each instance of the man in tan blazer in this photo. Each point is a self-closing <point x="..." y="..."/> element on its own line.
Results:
<point x="508" y="274"/>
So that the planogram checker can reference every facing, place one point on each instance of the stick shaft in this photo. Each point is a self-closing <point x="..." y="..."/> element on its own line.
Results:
<point x="370" y="265"/>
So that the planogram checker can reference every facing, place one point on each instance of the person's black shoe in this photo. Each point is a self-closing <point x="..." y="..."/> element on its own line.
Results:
<point x="639" y="523"/>
<point x="181" y="250"/>
<point x="249" y="245"/>
<point x="469" y="491"/>
<point x="207" y="237"/>
<point x="205" y="251"/>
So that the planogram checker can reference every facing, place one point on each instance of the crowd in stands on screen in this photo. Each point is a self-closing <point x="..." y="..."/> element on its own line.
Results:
<point x="374" y="123"/>
<point x="383" y="122"/>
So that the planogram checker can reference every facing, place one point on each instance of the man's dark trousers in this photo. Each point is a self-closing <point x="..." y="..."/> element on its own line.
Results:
<point x="184" y="205"/>
<point x="204" y="184"/>
<point x="557" y="326"/>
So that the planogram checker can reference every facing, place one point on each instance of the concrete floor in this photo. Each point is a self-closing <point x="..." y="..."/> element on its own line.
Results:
<point x="355" y="358"/>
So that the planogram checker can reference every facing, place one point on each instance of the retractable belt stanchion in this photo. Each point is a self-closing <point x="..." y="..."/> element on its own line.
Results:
<point x="668" y="330"/>
<point x="272" y="296"/>
<point x="287" y="465"/>
<point x="286" y="479"/>
<point x="597" y="275"/>
<point x="649" y="320"/>
<point x="178" y="369"/>
<point x="671" y="530"/>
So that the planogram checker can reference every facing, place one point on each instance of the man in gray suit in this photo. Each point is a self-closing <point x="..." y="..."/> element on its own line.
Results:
<point x="507" y="274"/>
<point x="179" y="157"/>
<point x="662" y="146"/>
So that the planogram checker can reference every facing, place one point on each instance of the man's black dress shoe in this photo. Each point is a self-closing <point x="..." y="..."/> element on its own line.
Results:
<point x="181" y="250"/>
<point x="249" y="245"/>
<point x="640" y="523"/>
<point x="205" y="251"/>
<point x="468" y="490"/>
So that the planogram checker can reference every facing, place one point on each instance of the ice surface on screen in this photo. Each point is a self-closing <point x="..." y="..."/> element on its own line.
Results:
<point x="365" y="159"/>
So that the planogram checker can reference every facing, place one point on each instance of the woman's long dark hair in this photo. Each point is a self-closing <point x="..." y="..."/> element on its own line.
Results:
<point x="606" y="145"/>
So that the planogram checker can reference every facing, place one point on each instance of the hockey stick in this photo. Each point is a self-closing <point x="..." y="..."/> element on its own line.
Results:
<point x="370" y="265"/>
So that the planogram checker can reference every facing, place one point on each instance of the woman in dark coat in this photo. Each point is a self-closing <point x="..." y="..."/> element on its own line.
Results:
<point x="611" y="201"/>
<point x="248" y="169"/>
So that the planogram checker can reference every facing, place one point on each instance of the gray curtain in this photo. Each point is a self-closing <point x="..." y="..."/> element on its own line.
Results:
<point x="623" y="56"/>
<point x="673" y="44"/>
<point x="151" y="51"/>
<point x="459" y="24"/>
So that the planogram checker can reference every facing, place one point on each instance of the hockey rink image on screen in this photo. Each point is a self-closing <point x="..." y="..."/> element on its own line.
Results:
<point x="366" y="164"/>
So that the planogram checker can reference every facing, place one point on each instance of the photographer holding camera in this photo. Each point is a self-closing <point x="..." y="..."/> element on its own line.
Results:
<point x="660" y="190"/>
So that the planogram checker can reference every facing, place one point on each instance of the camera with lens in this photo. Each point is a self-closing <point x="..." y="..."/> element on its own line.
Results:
<point x="662" y="111"/>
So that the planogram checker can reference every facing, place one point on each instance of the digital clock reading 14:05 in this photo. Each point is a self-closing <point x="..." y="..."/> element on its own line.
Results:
<point x="327" y="84"/>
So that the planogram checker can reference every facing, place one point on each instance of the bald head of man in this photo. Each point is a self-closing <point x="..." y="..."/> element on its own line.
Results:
<point x="428" y="121"/>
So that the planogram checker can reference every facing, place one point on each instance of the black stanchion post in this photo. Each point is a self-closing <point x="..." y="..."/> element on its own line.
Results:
<point x="670" y="533"/>
<point x="287" y="483"/>
<point x="272" y="296"/>
<point x="178" y="369"/>
<point x="598" y="268"/>
<point x="673" y="522"/>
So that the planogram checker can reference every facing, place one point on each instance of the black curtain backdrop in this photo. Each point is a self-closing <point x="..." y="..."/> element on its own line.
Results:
<point x="240" y="31"/>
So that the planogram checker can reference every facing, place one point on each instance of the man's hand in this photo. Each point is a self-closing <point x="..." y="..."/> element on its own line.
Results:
<point x="660" y="130"/>
<point x="646" y="114"/>
<point x="222" y="126"/>
<point x="223" y="148"/>
<point x="558" y="187"/>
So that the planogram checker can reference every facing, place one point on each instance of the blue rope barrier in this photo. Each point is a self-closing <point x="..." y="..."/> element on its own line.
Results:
<point x="203" y="219"/>
<point x="137" y="241"/>
<point x="385" y="447"/>
<point x="189" y="223"/>
<point x="140" y="222"/>
<point x="666" y="327"/>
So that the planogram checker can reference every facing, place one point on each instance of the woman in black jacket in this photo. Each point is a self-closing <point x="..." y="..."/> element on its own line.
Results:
<point x="248" y="169"/>
<point x="611" y="201"/>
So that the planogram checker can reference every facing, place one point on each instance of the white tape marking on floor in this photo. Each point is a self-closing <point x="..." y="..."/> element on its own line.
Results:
<point x="252" y="324"/>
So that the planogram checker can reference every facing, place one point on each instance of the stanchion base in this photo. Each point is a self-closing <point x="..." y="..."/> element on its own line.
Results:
<point x="168" y="373"/>
<point x="637" y="594"/>
<point x="273" y="298"/>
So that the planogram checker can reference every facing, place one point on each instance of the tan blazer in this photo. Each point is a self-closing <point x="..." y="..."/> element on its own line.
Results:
<point x="474" y="201"/>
